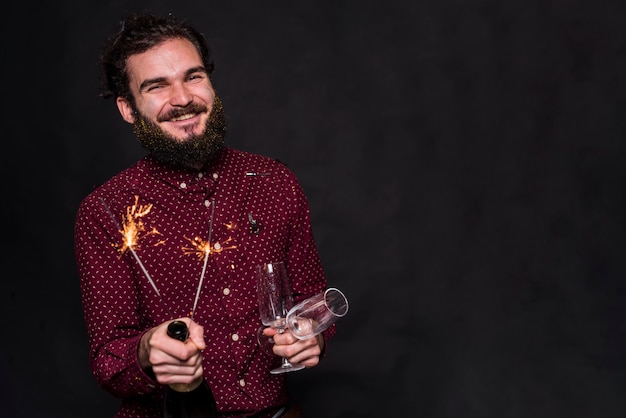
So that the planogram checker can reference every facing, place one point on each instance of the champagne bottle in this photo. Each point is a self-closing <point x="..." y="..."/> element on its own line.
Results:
<point x="197" y="403"/>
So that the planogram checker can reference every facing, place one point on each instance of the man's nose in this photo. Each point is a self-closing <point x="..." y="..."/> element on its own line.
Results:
<point x="181" y="96"/>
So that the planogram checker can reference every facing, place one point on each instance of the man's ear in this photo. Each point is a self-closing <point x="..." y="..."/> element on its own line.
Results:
<point x="126" y="110"/>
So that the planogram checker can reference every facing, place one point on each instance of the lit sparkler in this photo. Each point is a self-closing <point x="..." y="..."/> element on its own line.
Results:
<point x="200" y="248"/>
<point x="132" y="229"/>
<point x="203" y="249"/>
<point x="207" y="252"/>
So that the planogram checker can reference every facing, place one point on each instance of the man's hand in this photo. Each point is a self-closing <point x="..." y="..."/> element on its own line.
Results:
<point x="174" y="363"/>
<point x="305" y="352"/>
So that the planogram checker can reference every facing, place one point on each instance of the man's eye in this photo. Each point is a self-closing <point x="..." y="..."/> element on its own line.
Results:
<point x="155" y="87"/>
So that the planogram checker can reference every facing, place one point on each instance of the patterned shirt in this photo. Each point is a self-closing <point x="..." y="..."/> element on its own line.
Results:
<point x="141" y="248"/>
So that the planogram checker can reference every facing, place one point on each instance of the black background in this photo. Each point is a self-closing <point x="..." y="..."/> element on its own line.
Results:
<point x="465" y="166"/>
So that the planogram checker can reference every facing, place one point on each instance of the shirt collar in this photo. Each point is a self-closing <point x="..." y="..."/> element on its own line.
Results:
<point x="187" y="179"/>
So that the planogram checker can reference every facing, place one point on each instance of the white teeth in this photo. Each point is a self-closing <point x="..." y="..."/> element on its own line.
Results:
<point x="183" y="117"/>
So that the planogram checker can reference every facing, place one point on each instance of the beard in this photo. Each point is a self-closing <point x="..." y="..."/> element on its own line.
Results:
<point x="195" y="151"/>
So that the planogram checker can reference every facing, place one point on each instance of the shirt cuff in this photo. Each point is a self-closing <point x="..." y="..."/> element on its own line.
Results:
<point x="141" y="381"/>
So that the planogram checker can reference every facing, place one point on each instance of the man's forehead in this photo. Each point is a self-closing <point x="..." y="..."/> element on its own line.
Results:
<point x="169" y="58"/>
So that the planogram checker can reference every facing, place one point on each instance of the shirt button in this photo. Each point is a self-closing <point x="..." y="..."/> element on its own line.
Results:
<point x="207" y="203"/>
<point x="217" y="246"/>
<point x="226" y="291"/>
<point x="235" y="337"/>
<point x="215" y="176"/>
<point x="242" y="382"/>
<point x="183" y="185"/>
<point x="200" y="175"/>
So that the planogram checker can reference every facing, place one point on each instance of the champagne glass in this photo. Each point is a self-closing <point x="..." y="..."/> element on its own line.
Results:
<point x="317" y="313"/>
<point x="275" y="300"/>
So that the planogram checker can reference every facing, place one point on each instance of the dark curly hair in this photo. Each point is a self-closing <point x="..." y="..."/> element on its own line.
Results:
<point x="138" y="33"/>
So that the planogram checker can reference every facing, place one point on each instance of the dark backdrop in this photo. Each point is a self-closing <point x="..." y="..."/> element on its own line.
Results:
<point x="464" y="162"/>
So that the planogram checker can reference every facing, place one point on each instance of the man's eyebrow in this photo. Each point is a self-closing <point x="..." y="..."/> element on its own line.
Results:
<point x="150" y="81"/>
<point x="198" y="69"/>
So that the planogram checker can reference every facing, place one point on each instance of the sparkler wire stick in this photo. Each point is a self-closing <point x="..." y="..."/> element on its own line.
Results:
<point x="132" y="250"/>
<point x="207" y="252"/>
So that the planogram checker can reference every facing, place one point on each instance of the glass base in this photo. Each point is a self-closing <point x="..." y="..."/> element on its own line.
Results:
<point x="287" y="367"/>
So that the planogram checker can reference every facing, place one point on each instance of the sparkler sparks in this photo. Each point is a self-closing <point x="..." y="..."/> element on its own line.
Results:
<point x="198" y="247"/>
<point x="133" y="228"/>
<point x="201" y="248"/>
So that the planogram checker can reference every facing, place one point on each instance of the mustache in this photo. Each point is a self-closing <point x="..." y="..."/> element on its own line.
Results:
<point x="180" y="111"/>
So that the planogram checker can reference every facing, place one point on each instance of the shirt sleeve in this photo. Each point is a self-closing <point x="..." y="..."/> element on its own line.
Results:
<point x="109" y="303"/>
<point x="305" y="267"/>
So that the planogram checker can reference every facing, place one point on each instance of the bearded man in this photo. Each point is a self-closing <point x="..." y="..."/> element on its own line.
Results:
<point x="178" y="235"/>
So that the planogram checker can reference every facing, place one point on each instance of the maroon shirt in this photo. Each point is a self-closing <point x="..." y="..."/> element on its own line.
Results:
<point x="173" y="210"/>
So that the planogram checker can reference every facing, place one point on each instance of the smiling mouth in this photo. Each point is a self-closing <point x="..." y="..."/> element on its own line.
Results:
<point x="182" y="114"/>
<point x="182" y="117"/>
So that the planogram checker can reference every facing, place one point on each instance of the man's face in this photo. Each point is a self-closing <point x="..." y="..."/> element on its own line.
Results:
<point x="176" y="114"/>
